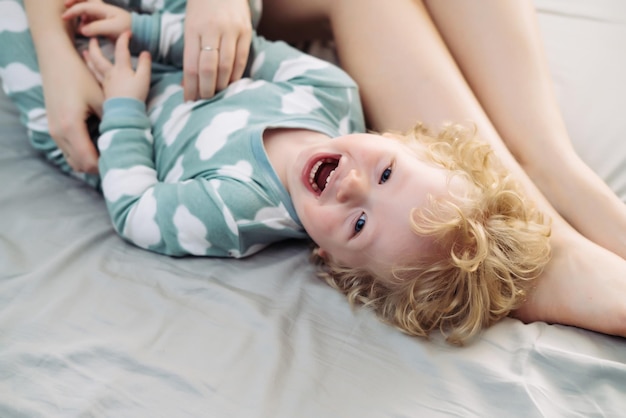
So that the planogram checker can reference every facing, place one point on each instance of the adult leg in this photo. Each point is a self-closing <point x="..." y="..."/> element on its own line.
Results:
<point x="406" y="73"/>
<point x="498" y="46"/>
<point x="404" y="70"/>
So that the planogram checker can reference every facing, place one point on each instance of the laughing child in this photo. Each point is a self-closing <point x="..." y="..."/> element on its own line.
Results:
<point x="428" y="230"/>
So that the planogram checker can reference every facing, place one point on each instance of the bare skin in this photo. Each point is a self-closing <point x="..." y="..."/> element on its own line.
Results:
<point x="223" y="24"/>
<point x="397" y="52"/>
<point x="72" y="93"/>
<point x="440" y="62"/>
<point x="413" y="61"/>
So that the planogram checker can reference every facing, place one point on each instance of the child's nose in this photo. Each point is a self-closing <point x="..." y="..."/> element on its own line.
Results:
<point x="353" y="188"/>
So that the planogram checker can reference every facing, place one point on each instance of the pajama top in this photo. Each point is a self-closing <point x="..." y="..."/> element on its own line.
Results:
<point x="193" y="177"/>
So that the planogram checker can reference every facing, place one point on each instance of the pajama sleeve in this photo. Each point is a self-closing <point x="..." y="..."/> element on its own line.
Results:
<point x="315" y="85"/>
<point x="312" y="80"/>
<point x="160" y="33"/>
<point x="180" y="218"/>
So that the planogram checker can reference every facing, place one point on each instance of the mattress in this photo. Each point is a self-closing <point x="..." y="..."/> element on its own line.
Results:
<point x="91" y="326"/>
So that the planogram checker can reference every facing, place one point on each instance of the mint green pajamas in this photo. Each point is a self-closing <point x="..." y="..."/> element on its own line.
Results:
<point x="185" y="178"/>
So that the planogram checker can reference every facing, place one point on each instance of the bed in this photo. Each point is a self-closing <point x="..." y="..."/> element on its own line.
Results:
<point x="92" y="326"/>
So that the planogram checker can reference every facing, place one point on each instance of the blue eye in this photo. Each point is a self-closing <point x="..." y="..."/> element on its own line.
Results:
<point x="360" y="223"/>
<point x="385" y="176"/>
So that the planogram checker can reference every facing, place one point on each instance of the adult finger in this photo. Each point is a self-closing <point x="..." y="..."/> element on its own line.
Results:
<point x="241" y="56"/>
<point x="208" y="67"/>
<point x="79" y="151"/>
<point x="191" y="57"/>
<point x="226" y="61"/>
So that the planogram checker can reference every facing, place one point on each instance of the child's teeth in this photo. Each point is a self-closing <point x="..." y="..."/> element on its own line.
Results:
<point x="312" y="174"/>
<point x="329" y="176"/>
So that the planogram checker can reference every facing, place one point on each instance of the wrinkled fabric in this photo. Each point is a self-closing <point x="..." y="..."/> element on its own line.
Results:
<point x="91" y="326"/>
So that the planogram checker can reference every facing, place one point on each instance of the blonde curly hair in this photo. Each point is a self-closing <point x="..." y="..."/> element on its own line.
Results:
<point x="489" y="247"/>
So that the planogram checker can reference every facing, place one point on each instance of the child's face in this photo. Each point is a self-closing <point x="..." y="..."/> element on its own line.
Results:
<point x="355" y="194"/>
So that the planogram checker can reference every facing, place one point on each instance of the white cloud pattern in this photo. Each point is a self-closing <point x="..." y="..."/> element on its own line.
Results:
<point x="152" y="5"/>
<point x="242" y="171"/>
<point x="104" y="141"/>
<point x="191" y="232"/>
<point x="141" y="227"/>
<point x="155" y="106"/>
<point x="131" y="181"/>
<point x="230" y="220"/>
<point x="243" y="84"/>
<point x="296" y="67"/>
<point x="301" y="100"/>
<point x="275" y="217"/>
<point x="37" y="120"/>
<point x="17" y="77"/>
<point x="13" y="17"/>
<point x="175" y="174"/>
<point x="176" y="122"/>
<point x="214" y="136"/>
<point x="171" y="31"/>
<point x="344" y="126"/>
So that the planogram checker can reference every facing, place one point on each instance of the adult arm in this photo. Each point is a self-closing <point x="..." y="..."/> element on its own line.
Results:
<point x="72" y="94"/>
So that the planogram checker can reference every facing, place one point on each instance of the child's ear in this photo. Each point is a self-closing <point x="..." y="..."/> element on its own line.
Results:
<point x="322" y="253"/>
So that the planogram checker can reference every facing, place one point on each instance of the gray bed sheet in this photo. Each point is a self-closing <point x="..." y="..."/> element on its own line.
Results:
<point x="93" y="327"/>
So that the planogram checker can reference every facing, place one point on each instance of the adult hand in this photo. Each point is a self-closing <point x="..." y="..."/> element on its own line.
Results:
<point x="72" y="97"/>
<point x="225" y="27"/>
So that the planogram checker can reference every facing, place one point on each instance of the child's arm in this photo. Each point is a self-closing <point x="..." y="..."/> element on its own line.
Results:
<point x="170" y="218"/>
<point x="160" y="33"/>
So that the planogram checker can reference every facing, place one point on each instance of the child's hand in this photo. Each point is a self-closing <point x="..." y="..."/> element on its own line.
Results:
<point x="119" y="79"/>
<point x="97" y="18"/>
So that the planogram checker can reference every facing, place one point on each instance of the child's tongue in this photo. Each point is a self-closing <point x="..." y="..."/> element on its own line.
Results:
<point x="322" y="174"/>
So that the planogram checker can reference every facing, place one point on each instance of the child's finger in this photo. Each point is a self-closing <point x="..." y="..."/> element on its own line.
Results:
<point x="70" y="3"/>
<point x="93" y="11"/>
<point x="87" y="57"/>
<point x="144" y="65"/>
<point x="98" y="28"/>
<point x="100" y="63"/>
<point x="122" y="53"/>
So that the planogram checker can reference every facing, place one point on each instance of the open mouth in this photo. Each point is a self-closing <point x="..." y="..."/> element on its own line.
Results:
<point x="321" y="173"/>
